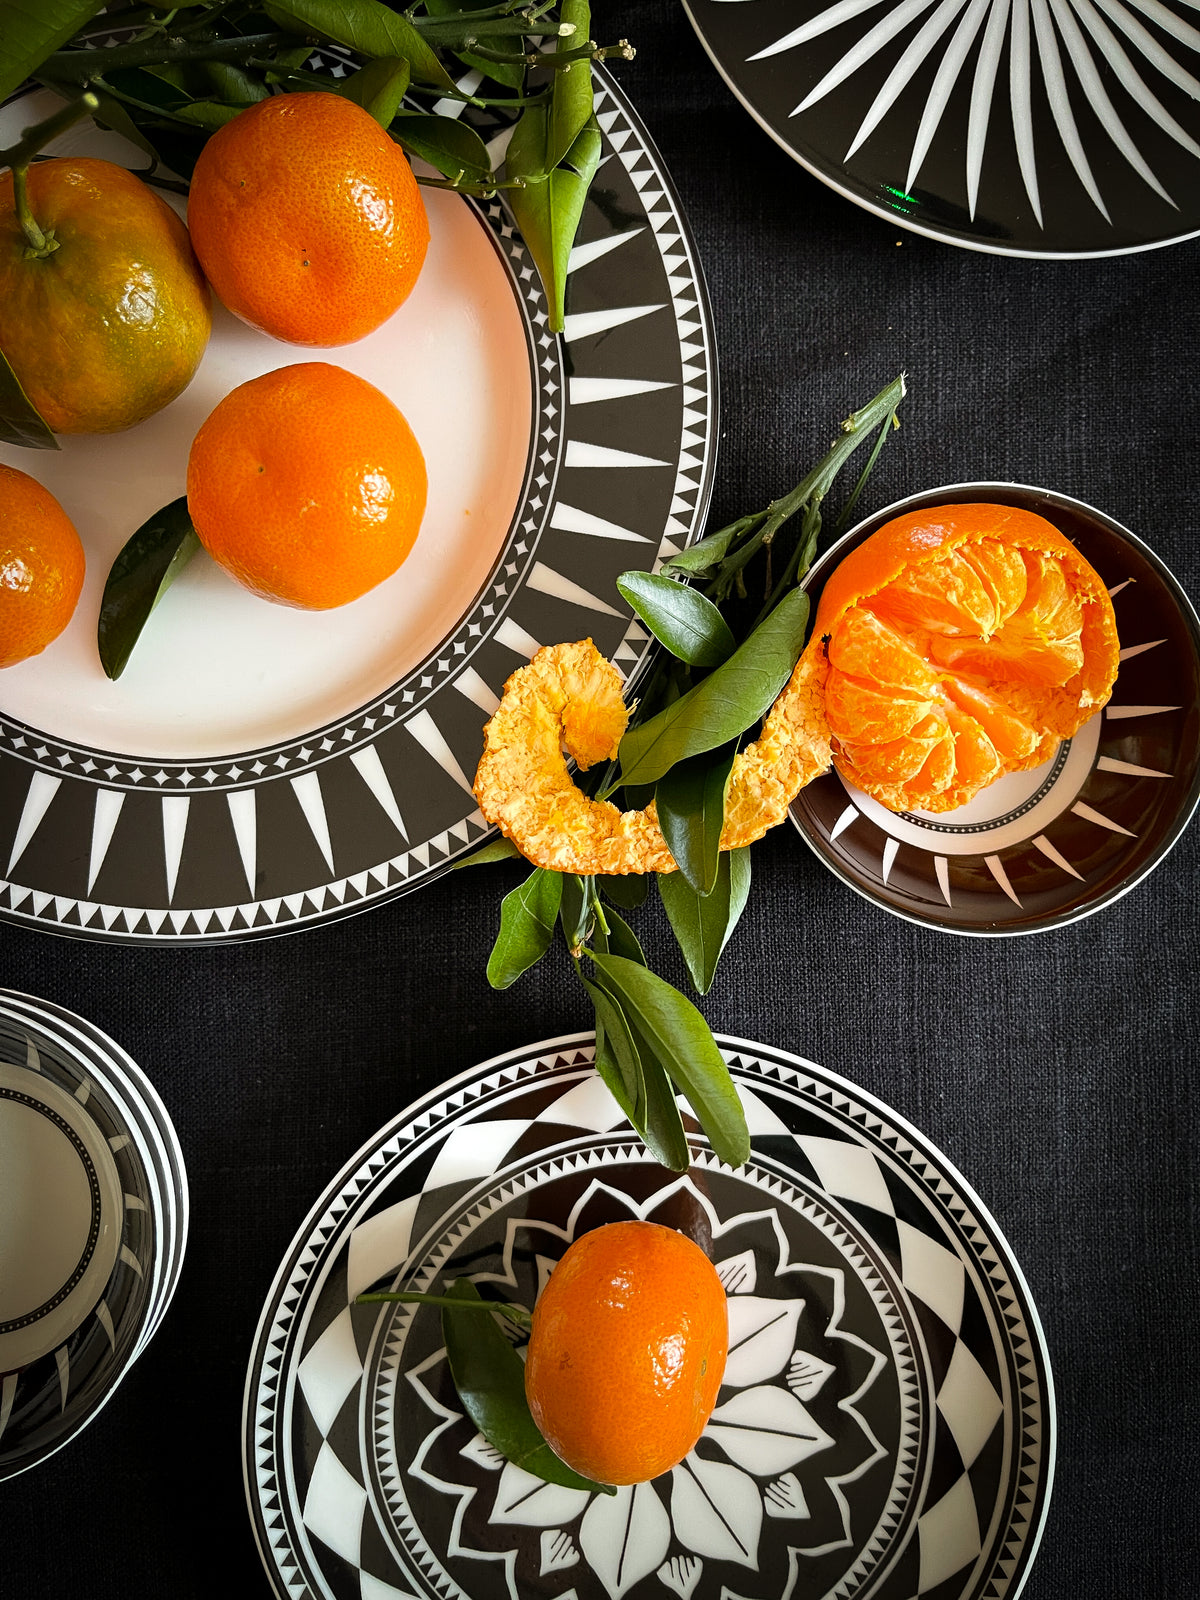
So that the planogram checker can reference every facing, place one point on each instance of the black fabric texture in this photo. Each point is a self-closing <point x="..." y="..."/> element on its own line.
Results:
<point x="1057" y="1072"/>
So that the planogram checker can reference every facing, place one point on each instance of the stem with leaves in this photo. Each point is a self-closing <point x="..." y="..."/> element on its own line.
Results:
<point x="707" y="691"/>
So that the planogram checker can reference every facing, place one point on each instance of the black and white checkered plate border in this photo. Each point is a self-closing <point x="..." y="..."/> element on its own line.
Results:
<point x="990" y="1448"/>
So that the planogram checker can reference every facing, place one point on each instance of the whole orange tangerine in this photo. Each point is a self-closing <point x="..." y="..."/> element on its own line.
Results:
<point x="41" y="567"/>
<point x="109" y="326"/>
<point x="961" y="642"/>
<point x="627" y="1351"/>
<point x="307" y="485"/>
<point x="307" y="219"/>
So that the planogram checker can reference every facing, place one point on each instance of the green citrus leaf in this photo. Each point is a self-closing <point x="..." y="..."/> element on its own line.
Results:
<point x="497" y="850"/>
<point x="690" y="801"/>
<point x="683" y="619"/>
<point x="573" y="910"/>
<point x="453" y="147"/>
<point x="571" y="88"/>
<point x="378" y="87"/>
<point x="670" y="1030"/>
<point x="617" y="1059"/>
<point x="20" y="420"/>
<point x="702" y="923"/>
<point x="621" y="940"/>
<point x="727" y="702"/>
<point x="490" y="1378"/>
<point x="548" y="209"/>
<point x="31" y="31"/>
<point x="509" y="73"/>
<point x="629" y="890"/>
<point x="145" y="569"/>
<point x="527" y="918"/>
<point x="366" y="26"/>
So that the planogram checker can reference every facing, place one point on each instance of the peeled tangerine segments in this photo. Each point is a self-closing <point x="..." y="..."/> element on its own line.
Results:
<point x="568" y="702"/>
<point x="969" y="591"/>
<point x="1014" y="640"/>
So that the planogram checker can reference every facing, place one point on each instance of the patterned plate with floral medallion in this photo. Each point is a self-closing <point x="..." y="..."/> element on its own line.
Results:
<point x="258" y="769"/>
<point x="1019" y="127"/>
<point x="1039" y="849"/>
<point x="885" y="1426"/>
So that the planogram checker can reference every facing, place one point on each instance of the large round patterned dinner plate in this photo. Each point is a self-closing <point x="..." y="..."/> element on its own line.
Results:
<point x="1040" y="849"/>
<point x="886" y="1422"/>
<point x="258" y="769"/>
<point x="1019" y="127"/>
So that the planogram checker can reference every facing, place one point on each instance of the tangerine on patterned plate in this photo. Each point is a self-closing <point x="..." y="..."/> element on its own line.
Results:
<point x="107" y="323"/>
<point x="307" y="219"/>
<point x="41" y="567"/>
<point x="627" y="1351"/>
<point x="962" y="642"/>
<point x="307" y="485"/>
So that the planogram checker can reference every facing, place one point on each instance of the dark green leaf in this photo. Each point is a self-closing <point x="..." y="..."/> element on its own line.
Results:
<point x="32" y="30"/>
<point x="510" y="73"/>
<point x="683" y="619"/>
<point x="207" y="114"/>
<point x="548" y="211"/>
<point x="679" y="1037"/>
<point x="233" y="84"/>
<point x="497" y="850"/>
<point x="366" y="26"/>
<point x="621" y="939"/>
<point x="379" y="87"/>
<point x="616" y="1055"/>
<point x="571" y="91"/>
<point x="527" y="918"/>
<point x="703" y="923"/>
<point x="690" y="801"/>
<point x="20" y="420"/>
<point x="708" y="553"/>
<point x="145" y="569"/>
<point x="726" y="703"/>
<point x="490" y="1379"/>
<point x="451" y="146"/>
<point x="573" y="910"/>
<point x="627" y="891"/>
<point x="627" y="1062"/>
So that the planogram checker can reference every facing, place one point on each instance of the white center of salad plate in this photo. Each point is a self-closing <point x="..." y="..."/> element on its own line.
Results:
<point x="218" y="670"/>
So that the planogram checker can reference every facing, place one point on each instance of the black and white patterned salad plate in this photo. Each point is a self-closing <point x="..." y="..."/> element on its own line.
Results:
<point x="1019" y="127"/>
<point x="886" y="1424"/>
<point x="257" y="769"/>
<point x="1040" y="849"/>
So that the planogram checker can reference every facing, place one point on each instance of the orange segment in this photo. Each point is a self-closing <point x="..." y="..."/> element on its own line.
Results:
<point x="960" y="643"/>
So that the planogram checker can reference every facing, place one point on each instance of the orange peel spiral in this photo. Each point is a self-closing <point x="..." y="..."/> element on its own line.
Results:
<point x="568" y="703"/>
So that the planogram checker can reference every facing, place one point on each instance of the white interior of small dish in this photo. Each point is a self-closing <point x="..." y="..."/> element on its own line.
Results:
<point x="219" y="670"/>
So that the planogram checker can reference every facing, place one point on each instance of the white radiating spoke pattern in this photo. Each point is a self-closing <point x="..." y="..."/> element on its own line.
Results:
<point x="1063" y="54"/>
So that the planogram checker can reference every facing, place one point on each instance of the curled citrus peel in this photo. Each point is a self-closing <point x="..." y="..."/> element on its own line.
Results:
<point x="568" y="702"/>
<point x="952" y="646"/>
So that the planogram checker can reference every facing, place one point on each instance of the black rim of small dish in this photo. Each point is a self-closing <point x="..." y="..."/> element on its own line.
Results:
<point x="1100" y="822"/>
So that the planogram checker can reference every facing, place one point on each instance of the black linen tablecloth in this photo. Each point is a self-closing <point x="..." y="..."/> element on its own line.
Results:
<point x="1056" y="1071"/>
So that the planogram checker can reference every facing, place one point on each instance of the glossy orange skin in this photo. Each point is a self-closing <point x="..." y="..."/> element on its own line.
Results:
<point x="926" y="707"/>
<point x="307" y="219"/>
<point x="627" y="1351"/>
<point x="307" y="485"/>
<point x="111" y="326"/>
<point x="41" y="567"/>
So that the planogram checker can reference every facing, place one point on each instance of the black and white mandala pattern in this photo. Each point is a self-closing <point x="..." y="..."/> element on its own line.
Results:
<point x="886" y="1423"/>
